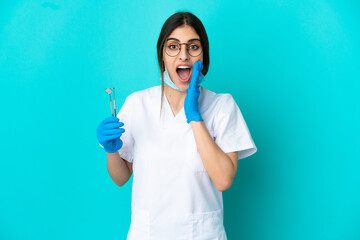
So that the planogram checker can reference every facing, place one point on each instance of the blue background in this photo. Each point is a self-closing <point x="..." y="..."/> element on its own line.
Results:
<point x="293" y="68"/>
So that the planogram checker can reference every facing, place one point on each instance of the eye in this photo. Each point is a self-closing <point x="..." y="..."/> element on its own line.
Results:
<point x="173" y="46"/>
<point x="194" y="46"/>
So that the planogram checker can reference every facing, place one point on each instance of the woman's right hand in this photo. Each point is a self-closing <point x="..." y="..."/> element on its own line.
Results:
<point x="109" y="132"/>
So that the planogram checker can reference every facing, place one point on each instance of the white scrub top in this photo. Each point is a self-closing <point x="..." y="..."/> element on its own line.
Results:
<point x="173" y="197"/>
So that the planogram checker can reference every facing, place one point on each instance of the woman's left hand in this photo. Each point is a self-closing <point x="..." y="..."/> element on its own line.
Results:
<point x="191" y="104"/>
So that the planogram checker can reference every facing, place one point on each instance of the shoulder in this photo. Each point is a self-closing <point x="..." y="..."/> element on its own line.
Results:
<point x="144" y="94"/>
<point x="217" y="100"/>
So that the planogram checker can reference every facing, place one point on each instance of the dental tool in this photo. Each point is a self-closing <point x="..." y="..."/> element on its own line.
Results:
<point x="109" y="91"/>
<point x="114" y="102"/>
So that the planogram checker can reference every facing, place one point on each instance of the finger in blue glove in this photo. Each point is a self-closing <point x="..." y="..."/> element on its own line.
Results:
<point x="109" y="132"/>
<point x="191" y="104"/>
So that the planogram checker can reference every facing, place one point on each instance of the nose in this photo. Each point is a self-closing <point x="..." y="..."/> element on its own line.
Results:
<point x="184" y="55"/>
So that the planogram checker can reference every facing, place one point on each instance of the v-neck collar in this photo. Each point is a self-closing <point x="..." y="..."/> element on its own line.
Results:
<point x="170" y="110"/>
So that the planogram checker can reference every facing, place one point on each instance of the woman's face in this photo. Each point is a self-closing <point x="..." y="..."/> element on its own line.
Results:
<point x="181" y="78"/>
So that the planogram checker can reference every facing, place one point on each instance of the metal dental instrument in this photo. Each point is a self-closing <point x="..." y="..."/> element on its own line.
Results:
<point x="114" y="102"/>
<point x="109" y="91"/>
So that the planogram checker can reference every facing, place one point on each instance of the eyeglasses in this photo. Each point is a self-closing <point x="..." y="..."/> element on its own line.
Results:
<point x="173" y="48"/>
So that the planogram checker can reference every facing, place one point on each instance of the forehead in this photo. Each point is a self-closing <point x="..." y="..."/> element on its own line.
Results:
<point x="184" y="33"/>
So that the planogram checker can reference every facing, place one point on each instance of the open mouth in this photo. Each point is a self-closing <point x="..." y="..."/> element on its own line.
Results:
<point x="184" y="73"/>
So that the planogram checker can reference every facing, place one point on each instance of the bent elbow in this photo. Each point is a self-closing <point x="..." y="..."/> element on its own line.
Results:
<point x="224" y="186"/>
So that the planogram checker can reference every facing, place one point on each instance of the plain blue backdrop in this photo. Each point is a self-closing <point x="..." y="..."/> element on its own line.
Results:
<point x="292" y="67"/>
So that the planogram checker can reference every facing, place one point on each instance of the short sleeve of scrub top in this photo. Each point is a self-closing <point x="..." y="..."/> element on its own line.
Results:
<point x="231" y="132"/>
<point x="126" y="151"/>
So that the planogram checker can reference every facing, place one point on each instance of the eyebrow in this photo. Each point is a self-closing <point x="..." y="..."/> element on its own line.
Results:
<point x="193" y="39"/>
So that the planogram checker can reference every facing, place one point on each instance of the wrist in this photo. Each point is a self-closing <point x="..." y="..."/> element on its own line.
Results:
<point x="196" y="118"/>
<point x="111" y="150"/>
<point x="193" y="122"/>
<point x="113" y="153"/>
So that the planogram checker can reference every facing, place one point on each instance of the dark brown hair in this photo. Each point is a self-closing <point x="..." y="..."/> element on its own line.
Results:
<point x="174" y="21"/>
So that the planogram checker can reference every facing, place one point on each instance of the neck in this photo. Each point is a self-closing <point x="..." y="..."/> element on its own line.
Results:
<point x="175" y="97"/>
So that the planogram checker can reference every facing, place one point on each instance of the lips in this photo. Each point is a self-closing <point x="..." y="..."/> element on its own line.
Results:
<point x="184" y="72"/>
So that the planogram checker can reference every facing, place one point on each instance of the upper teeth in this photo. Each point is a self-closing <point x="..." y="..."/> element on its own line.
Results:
<point x="183" y="67"/>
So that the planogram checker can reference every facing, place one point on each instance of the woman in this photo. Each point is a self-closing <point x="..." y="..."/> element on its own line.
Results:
<point x="183" y="140"/>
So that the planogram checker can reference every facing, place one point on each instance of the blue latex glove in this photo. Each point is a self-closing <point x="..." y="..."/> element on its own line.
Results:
<point x="109" y="132"/>
<point x="191" y="104"/>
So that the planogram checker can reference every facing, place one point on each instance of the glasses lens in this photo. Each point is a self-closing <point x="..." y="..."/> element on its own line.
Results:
<point x="172" y="48"/>
<point x="195" y="48"/>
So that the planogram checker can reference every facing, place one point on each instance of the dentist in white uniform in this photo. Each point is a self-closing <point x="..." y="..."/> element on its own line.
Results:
<point x="180" y="140"/>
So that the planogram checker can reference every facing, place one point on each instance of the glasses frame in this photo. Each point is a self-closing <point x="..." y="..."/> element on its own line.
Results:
<point x="187" y="48"/>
